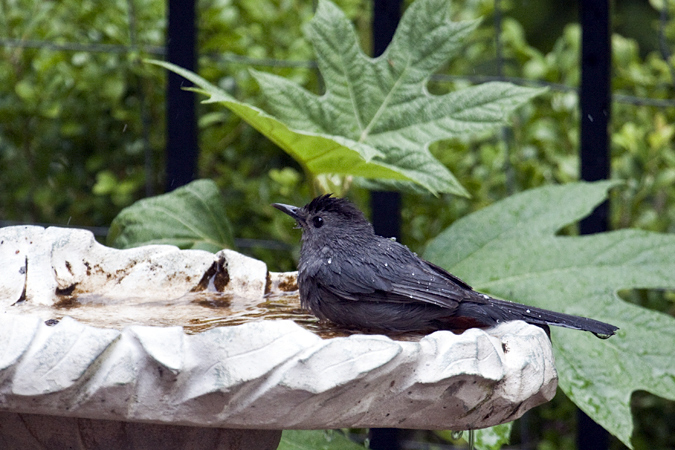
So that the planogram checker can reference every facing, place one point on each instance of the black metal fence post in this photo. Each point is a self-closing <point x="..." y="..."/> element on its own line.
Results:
<point x="595" y="102"/>
<point x="595" y="105"/>
<point x="385" y="206"/>
<point x="181" y="117"/>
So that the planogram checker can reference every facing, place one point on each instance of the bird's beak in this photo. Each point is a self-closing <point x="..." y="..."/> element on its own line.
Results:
<point x="288" y="209"/>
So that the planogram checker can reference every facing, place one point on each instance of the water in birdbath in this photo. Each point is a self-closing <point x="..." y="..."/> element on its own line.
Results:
<point x="194" y="311"/>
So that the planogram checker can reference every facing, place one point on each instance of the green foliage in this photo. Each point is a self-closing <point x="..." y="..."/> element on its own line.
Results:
<point x="191" y="217"/>
<point x="376" y="118"/>
<point x="68" y="118"/>
<point x="316" y="440"/>
<point x="510" y="251"/>
<point x="543" y="145"/>
<point x="494" y="437"/>
<point x="485" y="439"/>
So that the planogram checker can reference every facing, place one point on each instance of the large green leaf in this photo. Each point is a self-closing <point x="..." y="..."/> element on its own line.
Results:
<point x="491" y="438"/>
<point x="316" y="440"/>
<point x="494" y="437"/>
<point x="376" y="119"/>
<point x="192" y="216"/>
<point x="510" y="250"/>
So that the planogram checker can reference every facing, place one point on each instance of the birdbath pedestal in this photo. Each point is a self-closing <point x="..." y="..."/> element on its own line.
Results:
<point x="156" y="347"/>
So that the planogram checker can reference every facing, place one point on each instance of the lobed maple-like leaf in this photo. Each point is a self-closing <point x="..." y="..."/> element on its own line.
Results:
<point x="376" y="119"/>
<point x="510" y="251"/>
<point x="191" y="217"/>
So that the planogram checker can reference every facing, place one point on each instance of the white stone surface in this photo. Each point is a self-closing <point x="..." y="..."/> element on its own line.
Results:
<point x="44" y="260"/>
<point x="272" y="375"/>
<point x="265" y="374"/>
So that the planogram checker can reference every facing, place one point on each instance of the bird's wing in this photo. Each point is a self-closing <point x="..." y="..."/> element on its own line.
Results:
<point x="391" y="273"/>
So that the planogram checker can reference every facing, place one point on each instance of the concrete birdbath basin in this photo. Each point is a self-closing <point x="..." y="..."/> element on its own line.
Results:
<point x="157" y="347"/>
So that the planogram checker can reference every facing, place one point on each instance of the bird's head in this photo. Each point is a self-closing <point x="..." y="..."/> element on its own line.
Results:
<point x="327" y="217"/>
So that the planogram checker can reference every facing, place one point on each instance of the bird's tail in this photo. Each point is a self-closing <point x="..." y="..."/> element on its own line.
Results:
<point x="502" y="310"/>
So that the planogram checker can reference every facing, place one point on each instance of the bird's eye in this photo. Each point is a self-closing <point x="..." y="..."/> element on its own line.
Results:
<point x="317" y="221"/>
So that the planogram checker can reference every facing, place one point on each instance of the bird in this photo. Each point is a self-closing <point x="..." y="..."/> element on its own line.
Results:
<point x="355" y="278"/>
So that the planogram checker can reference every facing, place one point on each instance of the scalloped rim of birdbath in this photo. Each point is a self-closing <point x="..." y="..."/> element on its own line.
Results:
<point x="137" y="335"/>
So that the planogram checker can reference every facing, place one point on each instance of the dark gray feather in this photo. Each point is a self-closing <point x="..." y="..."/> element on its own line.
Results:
<point x="351" y="276"/>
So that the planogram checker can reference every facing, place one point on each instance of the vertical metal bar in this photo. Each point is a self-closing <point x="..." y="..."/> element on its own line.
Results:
<point x="386" y="16"/>
<point x="386" y="213"/>
<point x="385" y="206"/>
<point x="595" y="104"/>
<point x="181" y="123"/>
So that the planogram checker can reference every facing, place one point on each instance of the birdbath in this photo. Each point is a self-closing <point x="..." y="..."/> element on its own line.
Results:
<point x="156" y="347"/>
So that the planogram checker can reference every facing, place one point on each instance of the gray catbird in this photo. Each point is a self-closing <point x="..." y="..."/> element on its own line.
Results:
<point x="353" y="277"/>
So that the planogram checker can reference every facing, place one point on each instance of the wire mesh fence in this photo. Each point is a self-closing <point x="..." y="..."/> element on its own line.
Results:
<point x="135" y="50"/>
<point x="310" y="64"/>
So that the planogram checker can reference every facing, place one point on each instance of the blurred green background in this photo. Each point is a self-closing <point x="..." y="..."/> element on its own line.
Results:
<point x="82" y="127"/>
